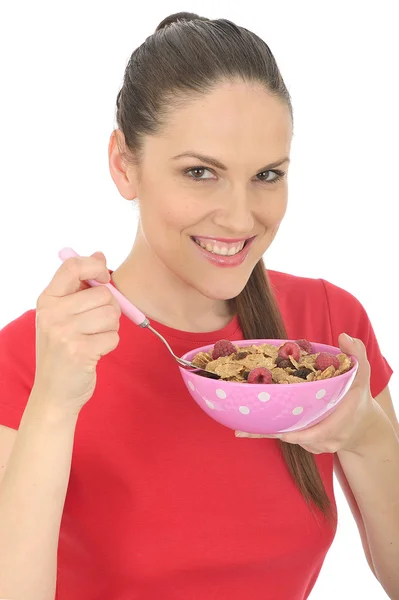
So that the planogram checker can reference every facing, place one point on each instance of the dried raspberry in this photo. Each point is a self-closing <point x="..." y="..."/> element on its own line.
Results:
<point x="223" y="348"/>
<point x="302" y="373"/>
<point x="325" y="359"/>
<point x="240" y="355"/>
<point x="290" y="349"/>
<point x="260" y="375"/>
<point x="305" y="345"/>
<point x="283" y="363"/>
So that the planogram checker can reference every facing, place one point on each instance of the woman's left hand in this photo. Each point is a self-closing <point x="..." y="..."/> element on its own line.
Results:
<point x="351" y="425"/>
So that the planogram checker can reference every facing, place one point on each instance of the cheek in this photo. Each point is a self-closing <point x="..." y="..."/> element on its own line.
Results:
<point x="273" y="231"/>
<point x="280" y="213"/>
<point x="274" y="211"/>
<point x="167" y="217"/>
<point x="173" y="205"/>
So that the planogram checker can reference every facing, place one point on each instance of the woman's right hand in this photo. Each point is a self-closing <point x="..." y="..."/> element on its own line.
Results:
<point x="76" y="325"/>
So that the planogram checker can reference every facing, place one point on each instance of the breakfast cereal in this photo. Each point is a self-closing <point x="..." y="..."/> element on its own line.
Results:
<point x="290" y="362"/>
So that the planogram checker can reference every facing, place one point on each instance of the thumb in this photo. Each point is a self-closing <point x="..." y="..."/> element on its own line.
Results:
<point x="106" y="278"/>
<point x="355" y="347"/>
<point x="99" y="255"/>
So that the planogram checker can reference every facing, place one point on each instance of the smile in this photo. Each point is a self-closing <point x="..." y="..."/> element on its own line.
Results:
<point x="223" y="248"/>
<point x="222" y="252"/>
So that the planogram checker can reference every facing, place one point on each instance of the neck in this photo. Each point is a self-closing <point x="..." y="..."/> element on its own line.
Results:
<point x="164" y="297"/>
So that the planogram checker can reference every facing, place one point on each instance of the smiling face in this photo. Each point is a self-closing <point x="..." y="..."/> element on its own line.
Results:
<point x="210" y="215"/>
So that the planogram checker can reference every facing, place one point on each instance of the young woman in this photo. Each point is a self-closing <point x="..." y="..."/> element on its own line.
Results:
<point x="115" y="484"/>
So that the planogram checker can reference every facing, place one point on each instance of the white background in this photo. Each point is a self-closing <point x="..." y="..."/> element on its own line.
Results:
<point x="62" y="66"/>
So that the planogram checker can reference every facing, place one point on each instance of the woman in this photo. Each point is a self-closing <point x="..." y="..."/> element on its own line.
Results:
<point x="116" y="484"/>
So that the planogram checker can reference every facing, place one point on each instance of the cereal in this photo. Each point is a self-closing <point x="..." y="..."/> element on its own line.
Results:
<point x="268" y="350"/>
<point x="296" y="364"/>
<point x="307" y="361"/>
<point x="237" y="366"/>
<point x="345" y="363"/>
<point x="327" y="373"/>
<point x="228" y="370"/>
<point x="252" y="361"/>
<point x="202" y="359"/>
<point x="294" y="379"/>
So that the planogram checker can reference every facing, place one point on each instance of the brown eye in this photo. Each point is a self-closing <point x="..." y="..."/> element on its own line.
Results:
<point x="263" y="175"/>
<point x="197" y="173"/>
<point x="262" y="179"/>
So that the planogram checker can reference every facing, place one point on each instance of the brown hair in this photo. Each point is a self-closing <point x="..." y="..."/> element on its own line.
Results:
<point x="187" y="57"/>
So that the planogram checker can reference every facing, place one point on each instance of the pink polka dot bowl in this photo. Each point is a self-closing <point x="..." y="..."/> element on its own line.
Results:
<point x="268" y="408"/>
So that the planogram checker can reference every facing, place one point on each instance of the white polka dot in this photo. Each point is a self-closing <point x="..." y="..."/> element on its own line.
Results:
<point x="321" y="393"/>
<point x="191" y="385"/>
<point x="209" y="403"/>
<point x="332" y="403"/>
<point x="264" y="396"/>
<point x="244" y="410"/>
<point x="221" y="393"/>
<point x="298" y="410"/>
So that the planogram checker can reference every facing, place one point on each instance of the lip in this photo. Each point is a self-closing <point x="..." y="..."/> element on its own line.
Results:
<point x="219" y="260"/>
<point x="223" y="240"/>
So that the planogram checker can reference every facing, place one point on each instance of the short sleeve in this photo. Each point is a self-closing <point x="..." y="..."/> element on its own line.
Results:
<point x="347" y="315"/>
<point x="17" y="367"/>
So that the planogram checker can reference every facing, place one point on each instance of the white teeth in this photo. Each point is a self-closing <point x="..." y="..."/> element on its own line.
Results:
<point x="220" y="250"/>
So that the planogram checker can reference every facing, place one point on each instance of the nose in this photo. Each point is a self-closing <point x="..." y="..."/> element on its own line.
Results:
<point x="234" y="214"/>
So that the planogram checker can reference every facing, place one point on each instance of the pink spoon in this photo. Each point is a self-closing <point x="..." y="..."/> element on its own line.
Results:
<point x="135" y="315"/>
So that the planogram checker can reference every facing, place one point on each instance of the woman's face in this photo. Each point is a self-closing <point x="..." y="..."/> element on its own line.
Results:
<point x="209" y="218"/>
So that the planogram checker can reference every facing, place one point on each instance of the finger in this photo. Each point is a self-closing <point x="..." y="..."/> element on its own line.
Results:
<point x="311" y="449"/>
<point x="74" y="271"/>
<point x="244" y="434"/>
<point x="89" y="299"/>
<point x="336" y="423"/>
<point x="356" y="347"/>
<point x="100" y="320"/>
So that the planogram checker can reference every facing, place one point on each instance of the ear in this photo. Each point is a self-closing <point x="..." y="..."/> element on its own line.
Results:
<point x="124" y="175"/>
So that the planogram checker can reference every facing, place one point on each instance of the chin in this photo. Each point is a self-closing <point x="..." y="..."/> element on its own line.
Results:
<point x="222" y="287"/>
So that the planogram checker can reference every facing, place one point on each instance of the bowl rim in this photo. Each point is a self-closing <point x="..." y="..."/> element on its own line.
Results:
<point x="254" y="386"/>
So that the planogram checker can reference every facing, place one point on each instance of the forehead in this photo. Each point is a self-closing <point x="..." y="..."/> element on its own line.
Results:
<point x="233" y="116"/>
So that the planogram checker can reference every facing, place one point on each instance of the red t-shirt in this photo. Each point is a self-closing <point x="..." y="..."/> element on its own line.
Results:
<point x="165" y="503"/>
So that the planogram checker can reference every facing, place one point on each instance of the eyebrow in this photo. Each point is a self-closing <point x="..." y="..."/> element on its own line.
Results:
<point x="216" y="163"/>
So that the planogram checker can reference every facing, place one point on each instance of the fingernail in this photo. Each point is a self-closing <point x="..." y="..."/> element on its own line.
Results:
<point x="239" y="434"/>
<point x="349" y="337"/>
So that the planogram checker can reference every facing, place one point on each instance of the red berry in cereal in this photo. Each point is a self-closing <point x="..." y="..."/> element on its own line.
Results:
<point x="260" y="375"/>
<point x="325" y="360"/>
<point x="290" y="349"/>
<point x="223" y="348"/>
<point x="305" y="345"/>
